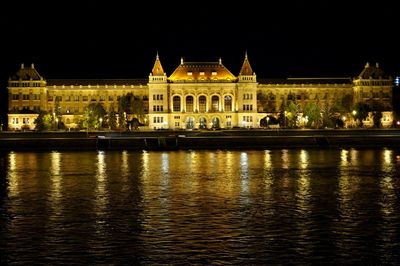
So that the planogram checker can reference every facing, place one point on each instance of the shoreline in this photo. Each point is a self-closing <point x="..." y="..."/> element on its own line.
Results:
<point x="196" y="140"/>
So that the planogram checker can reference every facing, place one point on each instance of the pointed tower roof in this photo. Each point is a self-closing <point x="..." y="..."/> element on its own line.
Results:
<point x="157" y="68"/>
<point x="27" y="73"/>
<point x="246" y="68"/>
<point x="372" y="72"/>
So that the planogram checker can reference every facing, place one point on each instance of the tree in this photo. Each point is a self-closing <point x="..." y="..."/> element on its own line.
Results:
<point x="362" y="110"/>
<point x="137" y="108"/>
<point x="43" y="121"/>
<point x="123" y="109"/>
<point x="346" y="103"/>
<point x="92" y="115"/>
<point x="377" y="109"/>
<point x="328" y="112"/>
<point x="112" y="118"/>
<point x="282" y="117"/>
<point x="313" y="114"/>
<point x="292" y="114"/>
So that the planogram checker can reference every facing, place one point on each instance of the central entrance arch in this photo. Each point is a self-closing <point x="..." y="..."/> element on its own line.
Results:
<point x="202" y="123"/>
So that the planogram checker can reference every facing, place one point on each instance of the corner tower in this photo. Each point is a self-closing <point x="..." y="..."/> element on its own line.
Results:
<point x="158" y="96"/>
<point x="247" y="96"/>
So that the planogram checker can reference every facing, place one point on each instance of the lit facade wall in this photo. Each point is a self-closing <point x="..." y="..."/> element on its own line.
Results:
<point x="196" y="95"/>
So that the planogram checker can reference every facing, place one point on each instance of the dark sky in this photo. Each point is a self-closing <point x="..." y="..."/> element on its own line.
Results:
<point x="119" y="39"/>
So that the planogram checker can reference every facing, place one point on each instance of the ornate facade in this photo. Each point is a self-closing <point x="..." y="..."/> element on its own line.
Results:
<point x="196" y="95"/>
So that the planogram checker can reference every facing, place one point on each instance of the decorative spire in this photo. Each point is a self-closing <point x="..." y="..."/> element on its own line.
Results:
<point x="377" y="65"/>
<point x="157" y="68"/>
<point x="32" y="65"/>
<point x="181" y="60"/>
<point x="22" y="66"/>
<point x="366" y="65"/>
<point x="246" y="68"/>
<point x="220" y="61"/>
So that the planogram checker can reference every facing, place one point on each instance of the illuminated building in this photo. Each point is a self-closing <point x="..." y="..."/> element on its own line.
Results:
<point x="195" y="95"/>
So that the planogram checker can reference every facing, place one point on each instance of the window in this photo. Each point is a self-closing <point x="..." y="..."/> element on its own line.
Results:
<point x="158" y="120"/>
<point x="189" y="104"/>
<point x="67" y="98"/>
<point x="15" y="96"/>
<point x="176" y="124"/>
<point x="35" y="96"/>
<point x="215" y="103"/>
<point x="228" y="103"/>
<point x="50" y="98"/>
<point x="76" y="109"/>
<point x="202" y="104"/>
<point x="247" y="118"/>
<point x="84" y="98"/>
<point x="25" y="96"/>
<point x="176" y="102"/>
<point x="102" y="98"/>
<point x="76" y="98"/>
<point x="110" y="98"/>
<point x="25" y="120"/>
<point x="177" y="117"/>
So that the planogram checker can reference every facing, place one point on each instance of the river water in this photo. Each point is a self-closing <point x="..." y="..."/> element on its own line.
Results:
<point x="300" y="206"/>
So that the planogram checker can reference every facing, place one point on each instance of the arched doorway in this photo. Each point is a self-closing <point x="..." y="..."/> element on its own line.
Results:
<point x="202" y="123"/>
<point x="215" y="122"/>
<point x="190" y="123"/>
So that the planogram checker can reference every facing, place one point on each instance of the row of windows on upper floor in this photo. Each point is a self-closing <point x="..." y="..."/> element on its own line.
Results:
<point x="68" y="98"/>
<point x="374" y="83"/>
<point x="320" y="96"/>
<point x="25" y="84"/>
<point x="63" y="110"/>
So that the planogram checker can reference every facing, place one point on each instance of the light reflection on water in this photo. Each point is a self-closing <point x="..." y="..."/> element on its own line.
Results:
<point x="201" y="207"/>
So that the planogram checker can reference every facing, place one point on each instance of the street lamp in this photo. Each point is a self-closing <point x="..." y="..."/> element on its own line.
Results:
<point x="101" y="122"/>
<point x="267" y="121"/>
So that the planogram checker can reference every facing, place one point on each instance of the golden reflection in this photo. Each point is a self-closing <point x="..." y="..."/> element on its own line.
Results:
<point x="354" y="157"/>
<point x="344" y="155"/>
<point x="386" y="184"/>
<point x="304" y="159"/>
<point x="285" y="159"/>
<point x="55" y="168"/>
<point x="268" y="176"/>
<point x="165" y="169"/>
<point x="146" y="166"/>
<point x="230" y="170"/>
<point x="125" y="164"/>
<point x="267" y="160"/>
<point x="12" y="175"/>
<point x="244" y="170"/>
<point x="101" y="191"/>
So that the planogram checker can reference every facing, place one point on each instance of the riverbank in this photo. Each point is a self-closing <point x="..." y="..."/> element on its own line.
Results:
<point x="185" y="140"/>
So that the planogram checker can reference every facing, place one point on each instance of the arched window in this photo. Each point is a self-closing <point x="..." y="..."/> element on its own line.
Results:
<point x="189" y="104"/>
<point x="202" y="104"/>
<point x="228" y="103"/>
<point x="215" y="103"/>
<point x="176" y="102"/>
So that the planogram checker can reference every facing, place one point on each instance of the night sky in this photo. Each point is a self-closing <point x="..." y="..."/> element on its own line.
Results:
<point x="119" y="39"/>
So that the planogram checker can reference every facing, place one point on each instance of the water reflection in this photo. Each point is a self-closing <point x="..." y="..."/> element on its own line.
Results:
<point x="203" y="207"/>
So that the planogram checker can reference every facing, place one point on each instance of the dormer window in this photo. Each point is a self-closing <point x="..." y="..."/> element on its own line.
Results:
<point x="189" y="73"/>
<point x="201" y="73"/>
<point x="214" y="73"/>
